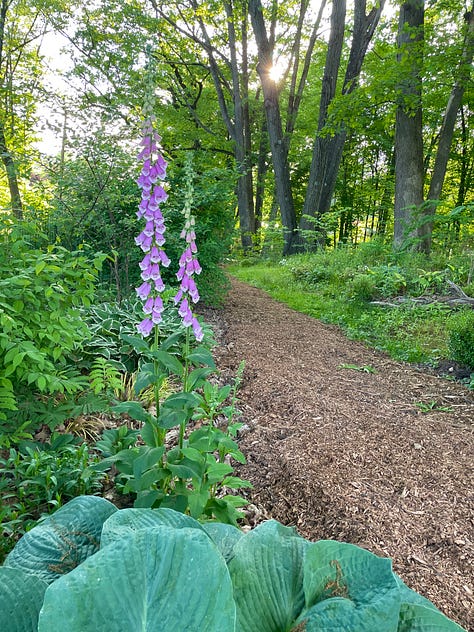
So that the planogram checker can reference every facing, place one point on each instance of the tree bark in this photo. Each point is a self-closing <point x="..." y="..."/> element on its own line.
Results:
<point x="317" y="184"/>
<point x="10" y="169"/>
<point x="279" y="153"/>
<point x="446" y="134"/>
<point x="408" y="126"/>
<point x="327" y="152"/>
<point x="244" y="183"/>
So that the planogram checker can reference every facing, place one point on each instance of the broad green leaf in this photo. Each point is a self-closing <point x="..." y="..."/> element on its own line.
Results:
<point x="201" y="355"/>
<point x="138" y="344"/>
<point x="181" y="400"/>
<point x="415" y="617"/>
<point x="224" y="536"/>
<point x="348" y="588"/>
<point x="21" y="598"/>
<point x="130" y="520"/>
<point x="134" y="409"/>
<point x="169" y="361"/>
<point x="171" y="340"/>
<point x="196" y="377"/>
<point x="418" y="614"/>
<point x="150" y="580"/>
<point x="62" y="541"/>
<point x="267" y="575"/>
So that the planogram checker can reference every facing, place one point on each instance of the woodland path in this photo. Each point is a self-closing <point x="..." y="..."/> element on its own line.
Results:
<point x="348" y="455"/>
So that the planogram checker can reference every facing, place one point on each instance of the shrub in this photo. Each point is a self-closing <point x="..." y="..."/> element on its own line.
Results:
<point x="137" y="568"/>
<point x="40" y="324"/>
<point x="461" y="337"/>
<point x="38" y="476"/>
<point x="363" y="287"/>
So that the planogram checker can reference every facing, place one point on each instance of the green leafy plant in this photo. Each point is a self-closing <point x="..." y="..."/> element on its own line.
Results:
<point x="40" y="325"/>
<point x="132" y="566"/>
<point x="355" y="367"/>
<point x="426" y="407"/>
<point x="461" y="337"/>
<point x="36" y="476"/>
<point x="104" y="377"/>
<point x="194" y="474"/>
<point x="114" y="440"/>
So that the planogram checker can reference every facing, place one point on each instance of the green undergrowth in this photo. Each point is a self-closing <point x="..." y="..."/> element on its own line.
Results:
<point x="368" y="294"/>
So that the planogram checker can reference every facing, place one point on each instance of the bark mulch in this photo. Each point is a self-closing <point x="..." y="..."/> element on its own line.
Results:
<point x="348" y="454"/>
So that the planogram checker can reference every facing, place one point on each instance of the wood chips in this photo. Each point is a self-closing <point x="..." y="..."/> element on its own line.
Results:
<point x="381" y="459"/>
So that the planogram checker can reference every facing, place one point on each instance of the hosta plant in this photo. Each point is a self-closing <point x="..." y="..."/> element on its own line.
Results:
<point x="103" y="569"/>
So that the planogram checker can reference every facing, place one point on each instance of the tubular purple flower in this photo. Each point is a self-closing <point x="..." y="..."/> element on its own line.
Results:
<point x="151" y="239"/>
<point x="188" y="264"/>
<point x="145" y="327"/>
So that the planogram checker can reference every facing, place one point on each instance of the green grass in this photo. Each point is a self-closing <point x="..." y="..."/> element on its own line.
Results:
<point x="338" y="286"/>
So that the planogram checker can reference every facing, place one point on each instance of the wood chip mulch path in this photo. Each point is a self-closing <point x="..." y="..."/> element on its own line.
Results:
<point x="349" y="455"/>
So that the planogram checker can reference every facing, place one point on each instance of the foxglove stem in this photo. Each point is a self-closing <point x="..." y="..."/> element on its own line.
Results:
<point x="187" y="345"/>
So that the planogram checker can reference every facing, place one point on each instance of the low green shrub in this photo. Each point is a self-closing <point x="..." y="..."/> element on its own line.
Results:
<point x="41" y="292"/>
<point x="363" y="287"/>
<point x="38" y="476"/>
<point x="158" y="569"/>
<point x="461" y="337"/>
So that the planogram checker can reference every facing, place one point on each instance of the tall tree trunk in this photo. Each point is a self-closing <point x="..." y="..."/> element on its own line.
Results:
<point x="279" y="153"/>
<point x="408" y="126"/>
<point x="244" y="188"/>
<point x="446" y="134"/>
<point x="10" y="169"/>
<point x="328" y="151"/>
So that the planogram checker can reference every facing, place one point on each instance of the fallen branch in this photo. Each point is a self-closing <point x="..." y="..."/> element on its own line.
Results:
<point x="459" y="298"/>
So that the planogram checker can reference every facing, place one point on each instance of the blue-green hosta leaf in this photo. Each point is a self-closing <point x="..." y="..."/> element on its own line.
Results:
<point x="224" y="536"/>
<point x="154" y="579"/>
<point x="348" y="588"/>
<point x="21" y="598"/>
<point x="267" y="575"/>
<point x="418" y="614"/>
<point x="130" y="520"/>
<point x="415" y="617"/>
<point x="64" y="540"/>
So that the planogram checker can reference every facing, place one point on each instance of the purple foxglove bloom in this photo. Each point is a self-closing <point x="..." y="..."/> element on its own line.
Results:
<point x="159" y="285"/>
<point x="188" y="318"/>
<point x="145" y="262"/>
<point x="144" y="241"/>
<point x="148" y="307"/>
<point x="145" y="327"/>
<point x="180" y="273"/>
<point x="165" y="261"/>
<point x="144" y="291"/>
<point x="156" y="317"/>
<point x="155" y="271"/>
<point x="178" y="297"/>
<point x="183" y="308"/>
<point x="159" y="239"/>
<point x="149" y="229"/>
<point x="197" y="329"/>
<point x="154" y="254"/>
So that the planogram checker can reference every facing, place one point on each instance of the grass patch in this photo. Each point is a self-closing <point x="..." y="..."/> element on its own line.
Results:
<point x="338" y="287"/>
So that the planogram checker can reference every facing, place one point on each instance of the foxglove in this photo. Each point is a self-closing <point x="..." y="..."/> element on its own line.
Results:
<point x="188" y="263"/>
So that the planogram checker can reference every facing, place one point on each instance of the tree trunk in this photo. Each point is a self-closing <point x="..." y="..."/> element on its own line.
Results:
<point x="10" y="169"/>
<point x="327" y="151"/>
<point x="446" y="134"/>
<point x="244" y="189"/>
<point x="408" y="126"/>
<point x="281" y="166"/>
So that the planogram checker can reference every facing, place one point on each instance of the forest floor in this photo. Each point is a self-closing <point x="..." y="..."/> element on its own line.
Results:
<point x="381" y="456"/>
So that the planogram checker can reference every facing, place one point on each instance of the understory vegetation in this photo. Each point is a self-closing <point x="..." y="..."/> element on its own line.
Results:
<point x="407" y="304"/>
